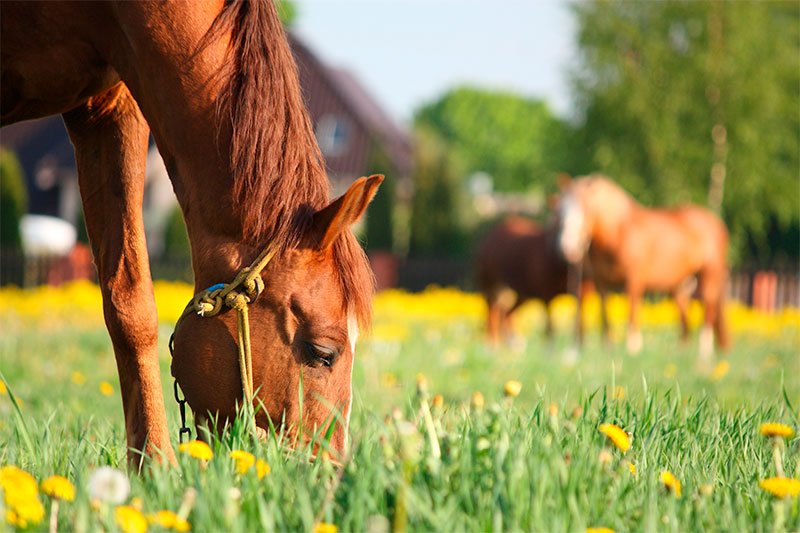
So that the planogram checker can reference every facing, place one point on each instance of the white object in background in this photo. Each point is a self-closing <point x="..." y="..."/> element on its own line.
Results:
<point x="43" y="235"/>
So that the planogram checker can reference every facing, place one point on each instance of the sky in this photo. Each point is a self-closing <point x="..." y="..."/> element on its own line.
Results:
<point x="410" y="52"/>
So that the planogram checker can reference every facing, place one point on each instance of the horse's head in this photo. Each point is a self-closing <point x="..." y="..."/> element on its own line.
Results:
<point x="574" y="230"/>
<point x="304" y="327"/>
<point x="591" y="209"/>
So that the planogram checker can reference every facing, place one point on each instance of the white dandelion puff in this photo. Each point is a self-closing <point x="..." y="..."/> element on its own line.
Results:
<point x="109" y="485"/>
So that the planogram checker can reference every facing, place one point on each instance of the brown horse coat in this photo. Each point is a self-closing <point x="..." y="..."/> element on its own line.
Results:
<point x="216" y="84"/>
<point x="641" y="249"/>
<point x="518" y="261"/>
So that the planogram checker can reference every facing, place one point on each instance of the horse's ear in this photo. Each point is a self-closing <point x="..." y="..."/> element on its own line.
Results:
<point x="345" y="210"/>
<point x="564" y="180"/>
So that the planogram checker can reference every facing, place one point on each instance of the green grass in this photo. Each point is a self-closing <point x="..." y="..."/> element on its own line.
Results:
<point x="509" y="466"/>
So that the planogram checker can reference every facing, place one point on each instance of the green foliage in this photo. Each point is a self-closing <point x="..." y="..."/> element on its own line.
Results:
<point x="13" y="200"/>
<point x="380" y="215"/>
<point x="656" y="77"/>
<point x="287" y="11"/>
<point x="514" y="139"/>
<point x="176" y="240"/>
<point x="438" y="209"/>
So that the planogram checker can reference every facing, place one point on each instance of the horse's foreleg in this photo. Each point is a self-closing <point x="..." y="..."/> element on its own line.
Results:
<point x="493" y="322"/>
<point x="682" y="301"/>
<point x="605" y="328"/>
<point x="634" y="343"/>
<point x="110" y="138"/>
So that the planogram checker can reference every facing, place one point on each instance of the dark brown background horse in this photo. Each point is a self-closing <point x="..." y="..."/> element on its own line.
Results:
<point x="216" y="84"/>
<point x="518" y="261"/>
<point x="624" y="244"/>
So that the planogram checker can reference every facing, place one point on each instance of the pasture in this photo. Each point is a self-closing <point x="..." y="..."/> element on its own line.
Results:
<point x="436" y="444"/>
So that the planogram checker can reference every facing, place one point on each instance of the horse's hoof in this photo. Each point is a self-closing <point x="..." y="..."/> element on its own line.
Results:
<point x="635" y="343"/>
<point x="570" y="357"/>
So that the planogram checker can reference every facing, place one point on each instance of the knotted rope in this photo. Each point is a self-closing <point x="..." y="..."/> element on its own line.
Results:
<point x="245" y="288"/>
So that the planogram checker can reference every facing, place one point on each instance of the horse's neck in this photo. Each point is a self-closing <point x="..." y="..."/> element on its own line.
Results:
<point x="173" y="70"/>
<point x="608" y="220"/>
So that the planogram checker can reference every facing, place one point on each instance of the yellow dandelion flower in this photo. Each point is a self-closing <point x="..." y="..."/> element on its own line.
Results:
<point x="599" y="530"/>
<point x="477" y="400"/>
<point x="781" y="487"/>
<point x="774" y="429"/>
<point x="552" y="410"/>
<point x="325" y="527"/>
<point x="244" y="460"/>
<point x="706" y="489"/>
<point x="169" y="520"/>
<point x="25" y="513"/>
<point x="388" y="380"/>
<point x="59" y="488"/>
<point x="720" y="370"/>
<point x="106" y="388"/>
<point x="619" y="392"/>
<point x="19" y="487"/>
<point x="671" y="483"/>
<point x="438" y="401"/>
<point x="512" y="388"/>
<point x="422" y="382"/>
<point x="3" y="388"/>
<point x="616" y="435"/>
<point x="78" y="378"/>
<point x="632" y="468"/>
<point x="197" y="449"/>
<point x="262" y="469"/>
<point x="129" y="519"/>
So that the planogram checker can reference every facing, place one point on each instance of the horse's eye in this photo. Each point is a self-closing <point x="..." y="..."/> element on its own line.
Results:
<point x="321" y="355"/>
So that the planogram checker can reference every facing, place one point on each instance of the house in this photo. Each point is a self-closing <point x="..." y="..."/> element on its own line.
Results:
<point x="350" y="126"/>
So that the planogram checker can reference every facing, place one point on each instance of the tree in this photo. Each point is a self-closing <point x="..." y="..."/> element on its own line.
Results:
<point x="380" y="216"/>
<point x="516" y="140"/>
<point x="13" y="200"/>
<point x="695" y="101"/>
<point x="437" y="210"/>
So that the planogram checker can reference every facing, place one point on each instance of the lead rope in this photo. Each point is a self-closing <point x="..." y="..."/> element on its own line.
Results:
<point x="208" y="303"/>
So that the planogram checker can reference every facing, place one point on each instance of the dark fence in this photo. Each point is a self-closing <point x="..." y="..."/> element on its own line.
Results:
<point x="762" y="289"/>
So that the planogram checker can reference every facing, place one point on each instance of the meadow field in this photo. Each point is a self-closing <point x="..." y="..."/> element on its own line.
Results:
<point x="446" y="434"/>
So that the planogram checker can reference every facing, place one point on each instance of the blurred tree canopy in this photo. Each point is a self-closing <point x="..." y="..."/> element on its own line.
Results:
<point x="697" y="102"/>
<point x="514" y="139"/>
<point x="438" y="210"/>
<point x="13" y="200"/>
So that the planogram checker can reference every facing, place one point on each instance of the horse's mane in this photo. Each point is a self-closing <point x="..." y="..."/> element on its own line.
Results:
<point x="278" y="173"/>
<point x="599" y="184"/>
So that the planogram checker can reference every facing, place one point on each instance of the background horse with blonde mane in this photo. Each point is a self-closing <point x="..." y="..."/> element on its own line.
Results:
<point x="216" y="84"/>
<point x="624" y="244"/>
<point x="518" y="261"/>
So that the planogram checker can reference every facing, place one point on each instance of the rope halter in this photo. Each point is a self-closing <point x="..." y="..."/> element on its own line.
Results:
<point x="245" y="289"/>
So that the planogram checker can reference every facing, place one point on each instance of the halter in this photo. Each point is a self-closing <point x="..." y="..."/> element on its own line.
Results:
<point x="245" y="289"/>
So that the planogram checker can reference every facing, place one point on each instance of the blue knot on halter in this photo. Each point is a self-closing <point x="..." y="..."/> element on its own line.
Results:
<point x="216" y="287"/>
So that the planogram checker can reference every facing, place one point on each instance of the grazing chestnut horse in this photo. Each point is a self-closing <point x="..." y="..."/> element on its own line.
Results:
<point x="216" y="84"/>
<point x="624" y="244"/>
<point x="518" y="261"/>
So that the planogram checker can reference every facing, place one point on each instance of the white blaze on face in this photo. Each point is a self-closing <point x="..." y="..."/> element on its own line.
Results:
<point x="572" y="238"/>
<point x="352" y="336"/>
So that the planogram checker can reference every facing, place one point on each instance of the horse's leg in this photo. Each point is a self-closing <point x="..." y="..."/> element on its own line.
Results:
<point x="634" y="343"/>
<point x="110" y="138"/>
<point x="492" y="321"/>
<point x="682" y="301"/>
<point x="548" y="322"/>
<point x="605" y="328"/>
<point x="713" y="287"/>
